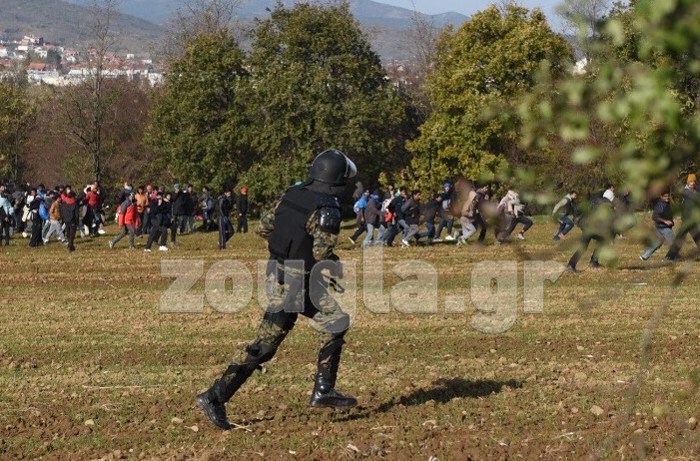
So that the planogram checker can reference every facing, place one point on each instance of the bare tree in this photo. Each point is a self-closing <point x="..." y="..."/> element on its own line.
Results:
<point x="582" y="20"/>
<point x="85" y="107"/>
<point x="196" y="17"/>
<point x="423" y="39"/>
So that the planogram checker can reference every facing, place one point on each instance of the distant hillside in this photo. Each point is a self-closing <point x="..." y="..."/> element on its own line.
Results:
<point x="366" y="11"/>
<point x="67" y="24"/>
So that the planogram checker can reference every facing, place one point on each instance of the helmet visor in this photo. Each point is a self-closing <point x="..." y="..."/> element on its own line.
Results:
<point x="350" y="168"/>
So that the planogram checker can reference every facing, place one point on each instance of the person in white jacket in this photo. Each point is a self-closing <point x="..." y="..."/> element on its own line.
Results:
<point x="514" y="209"/>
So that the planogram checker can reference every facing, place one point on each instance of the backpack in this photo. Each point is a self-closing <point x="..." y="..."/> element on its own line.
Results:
<point x="122" y="212"/>
<point x="43" y="211"/>
<point x="359" y="205"/>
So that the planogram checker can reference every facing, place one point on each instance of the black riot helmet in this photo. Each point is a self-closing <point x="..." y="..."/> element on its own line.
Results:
<point x="332" y="167"/>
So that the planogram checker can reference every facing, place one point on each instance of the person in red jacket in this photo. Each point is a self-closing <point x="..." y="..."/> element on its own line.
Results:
<point x="70" y="214"/>
<point x="128" y="221"/>
<point x="93" y="218"/>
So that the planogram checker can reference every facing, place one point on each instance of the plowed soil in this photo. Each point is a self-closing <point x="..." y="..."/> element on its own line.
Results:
<point x="90" y="368"/>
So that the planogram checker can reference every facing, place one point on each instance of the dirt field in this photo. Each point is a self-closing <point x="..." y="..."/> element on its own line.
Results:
<point x="91" y="369"/>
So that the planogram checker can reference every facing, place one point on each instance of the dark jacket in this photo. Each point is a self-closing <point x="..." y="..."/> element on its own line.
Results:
<point x="372" y="212"/>
<point x="189" y="203"/>
<point x="164" y="214"/>
<point x="70" y="210"/>
<point x="662" y="210"/>
<point x="225" y="206"/>
<point x="395" y="206"/>
<point x="411" y="211"/>
<point x="431" y="209"/>
<point x="153" y="209"/>
<point x="242" y="204"/>
<point x="178" y="204"/>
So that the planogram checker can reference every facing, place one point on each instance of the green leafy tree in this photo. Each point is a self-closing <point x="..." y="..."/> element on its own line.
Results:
<point x="624" y="42"/>
<point x="487" y="64"/>
<point x="658" y="138"/>
<point x="634" y="95"/>
<point x="17" y="117"/>
<point x="318" y="84"/>
<point x="198" y="125"/>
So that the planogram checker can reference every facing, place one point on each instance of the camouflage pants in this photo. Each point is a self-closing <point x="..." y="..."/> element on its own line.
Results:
<point x="290" y="293"/>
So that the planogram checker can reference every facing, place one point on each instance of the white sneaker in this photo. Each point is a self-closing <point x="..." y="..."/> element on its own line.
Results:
<point x="449" y="238"/>
<point x="521" y="236"/>
<point x="162" y="248"/>
<point x="86" y="229"/>
<point x="404" y="243"/>
<point x="101" y="231"/>
<point x="437" y="240"/>
<point x="46" y="241"/>
<point x="25" y="235"/>
<point x="147" y="250"/>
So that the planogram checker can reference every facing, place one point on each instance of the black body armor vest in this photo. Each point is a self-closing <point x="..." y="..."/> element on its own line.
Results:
<point x="289" y="239"/>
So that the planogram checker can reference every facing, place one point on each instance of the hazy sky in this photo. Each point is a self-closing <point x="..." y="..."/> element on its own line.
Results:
<point x="469" y="7"/>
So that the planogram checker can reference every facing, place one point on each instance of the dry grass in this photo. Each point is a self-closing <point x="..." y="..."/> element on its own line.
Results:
<point x="90" y="368"/>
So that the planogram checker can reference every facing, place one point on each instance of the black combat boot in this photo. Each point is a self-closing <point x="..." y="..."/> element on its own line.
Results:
<point x="214" y="399"/>
<point x="215" y="410"/>
<point x="325" y="395"/>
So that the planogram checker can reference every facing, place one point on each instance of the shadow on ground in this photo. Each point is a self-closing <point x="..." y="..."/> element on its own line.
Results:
<point x="443" y="391"/>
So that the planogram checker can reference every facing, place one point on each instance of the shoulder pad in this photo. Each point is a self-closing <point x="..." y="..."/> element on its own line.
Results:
<point x="329" y="219"/>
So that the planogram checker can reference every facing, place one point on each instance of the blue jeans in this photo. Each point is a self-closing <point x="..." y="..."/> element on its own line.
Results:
<point x="430" y="233"/>
<point x="444" y="222"/>
<point x="394" y="230"/>
<point x="565" y="226"/>
<point x="665" y="235"/>
<point x="368" y="241"/>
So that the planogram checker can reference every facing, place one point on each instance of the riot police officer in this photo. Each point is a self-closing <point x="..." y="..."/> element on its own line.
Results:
<point x="302" y="232"/>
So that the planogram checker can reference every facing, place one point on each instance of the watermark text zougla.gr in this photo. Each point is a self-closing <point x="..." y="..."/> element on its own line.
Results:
<point x="492" y="287"/>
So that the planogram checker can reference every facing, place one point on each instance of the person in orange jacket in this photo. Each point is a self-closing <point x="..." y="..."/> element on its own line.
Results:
<point x="142" y="203"/>
<point x="128" y="221"/>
